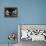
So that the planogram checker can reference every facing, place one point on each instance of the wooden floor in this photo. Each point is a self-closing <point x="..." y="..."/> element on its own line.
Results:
<point x="30" y="43"/>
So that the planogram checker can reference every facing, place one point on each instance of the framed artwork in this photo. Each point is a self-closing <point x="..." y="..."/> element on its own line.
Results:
<point x="11" y="12"/>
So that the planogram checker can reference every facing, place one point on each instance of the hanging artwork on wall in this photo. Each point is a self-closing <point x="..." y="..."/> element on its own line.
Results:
<point x="11" y="12"/>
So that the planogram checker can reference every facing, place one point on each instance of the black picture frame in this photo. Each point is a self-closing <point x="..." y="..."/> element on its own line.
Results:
<point x="11" y="11"/>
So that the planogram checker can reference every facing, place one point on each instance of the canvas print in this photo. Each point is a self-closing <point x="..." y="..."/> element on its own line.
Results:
<point x="11" y="12"/>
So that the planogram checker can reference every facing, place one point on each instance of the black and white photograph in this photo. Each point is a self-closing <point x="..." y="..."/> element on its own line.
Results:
<point x="11" y="12"/>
